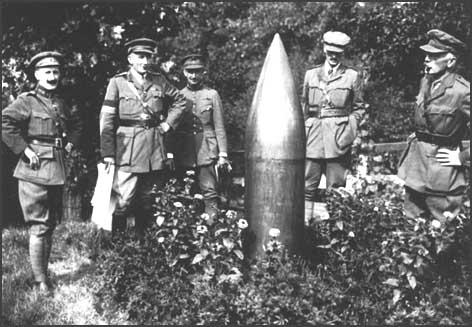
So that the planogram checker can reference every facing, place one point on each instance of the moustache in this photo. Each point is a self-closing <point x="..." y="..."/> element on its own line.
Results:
<point x="53" y="82"/>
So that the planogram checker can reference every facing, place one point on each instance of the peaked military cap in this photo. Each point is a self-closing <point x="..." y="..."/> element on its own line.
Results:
<point x="335" y="41"/>
<point x="141" y="45"/>
<point x="441" y="42"/>
<point x="193" y="61"/>
<point x="46" y="59"/>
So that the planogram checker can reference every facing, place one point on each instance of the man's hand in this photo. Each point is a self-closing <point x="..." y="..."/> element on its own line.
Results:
<point x="68" y="147"/>
<point x="32" y="157"/>
<point x="223" y="162"/>
<point x="164" y="127"/>
<point x="169" y="162"/>
<point x="448" y="157"/>
<point x="108" y="162"/>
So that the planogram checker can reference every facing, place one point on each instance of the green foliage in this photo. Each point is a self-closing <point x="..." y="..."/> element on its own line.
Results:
<point x="385" y="40"/>
<point x="367" y="264"/>
<point x="179" y="250"/>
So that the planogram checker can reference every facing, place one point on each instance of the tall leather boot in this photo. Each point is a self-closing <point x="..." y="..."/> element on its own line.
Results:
<point x="140" y="223"/>
<point x="47" y="252"/>
<point x="308" y="211"/>
<point x="118" y="225"/>
<point x="211" y="208"/>
<point x="38" y="255"/>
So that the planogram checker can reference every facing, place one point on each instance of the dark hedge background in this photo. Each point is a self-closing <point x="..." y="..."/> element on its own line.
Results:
<point x="236" y="36"/>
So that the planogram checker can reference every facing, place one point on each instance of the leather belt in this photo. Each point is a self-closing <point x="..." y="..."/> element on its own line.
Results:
<point x="146" y="123"/>
<point x="437" y="139"/>
<point x="328" y="112"/>
<point x="48" y="141"/>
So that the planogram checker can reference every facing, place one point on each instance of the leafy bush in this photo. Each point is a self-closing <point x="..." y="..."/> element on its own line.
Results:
<point x="154" y="278"/>
<point x="367" y="264"/>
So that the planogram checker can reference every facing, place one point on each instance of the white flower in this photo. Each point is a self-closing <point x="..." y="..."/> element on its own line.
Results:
<point x="436" y="223"/>
<point x="231" y="214"/>
<point x="178" y="204"/>
<point x="116" y="32"/>
<point x="160" y="239"/>
<point x="448" y="214"/>
<point x="273" y="245"/>
<point x="78" y="57"/>
<point x="202" y="229"/>
<point x="274" y="232"/>
<point x="378" y="158"/>
<point x="198" y="196"/>
<point x="242" y="223"/>
<point x="167" y="66"/>
<point x="160" y="220"/>
<point x="12" y="62"/>
<point x="190" y="172"/>
<point x="350" y="234"/>
<point x="205" y="216"/>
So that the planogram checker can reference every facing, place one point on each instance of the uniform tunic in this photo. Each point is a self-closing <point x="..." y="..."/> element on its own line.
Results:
<point x="333" y="106"/>
<point x="444" y="114"/>
<point x="137" y="149"/>
<point x="32" y="118"/>
<point x="331" y="137"/>
<point x="201" y="136"/>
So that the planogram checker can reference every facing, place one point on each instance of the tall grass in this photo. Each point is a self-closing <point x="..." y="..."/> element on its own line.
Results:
<point x="71" y="270"/>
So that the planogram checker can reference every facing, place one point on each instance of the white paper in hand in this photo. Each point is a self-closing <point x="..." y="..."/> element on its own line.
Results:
<point x="102" y="201"/>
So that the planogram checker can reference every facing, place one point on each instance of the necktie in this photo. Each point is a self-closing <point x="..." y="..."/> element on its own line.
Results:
<point x="330" y="72"/>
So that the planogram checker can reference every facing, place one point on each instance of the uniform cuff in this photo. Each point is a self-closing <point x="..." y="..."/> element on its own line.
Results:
<point x="223" y="154"/>
<point x="170" y="156"/>
<point x="464" y="157"/>
<point x="169" y="127"/>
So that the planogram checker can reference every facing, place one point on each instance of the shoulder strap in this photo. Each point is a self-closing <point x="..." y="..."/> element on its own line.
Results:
<point x="136" y="93"/>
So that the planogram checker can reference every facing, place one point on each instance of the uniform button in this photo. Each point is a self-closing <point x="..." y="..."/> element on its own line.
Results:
<point x="194" y="133"/>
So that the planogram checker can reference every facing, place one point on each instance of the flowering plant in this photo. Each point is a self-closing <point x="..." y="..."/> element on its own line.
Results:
<point x="180" y="242"/>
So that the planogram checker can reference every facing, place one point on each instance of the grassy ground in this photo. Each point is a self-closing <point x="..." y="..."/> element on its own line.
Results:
<point x="71" y="270"/>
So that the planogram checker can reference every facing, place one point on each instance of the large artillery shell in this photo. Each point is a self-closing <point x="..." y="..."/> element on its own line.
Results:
<point x="275" y="156"/>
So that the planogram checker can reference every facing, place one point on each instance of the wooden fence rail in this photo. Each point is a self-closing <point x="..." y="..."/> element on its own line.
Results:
<point x="376" y="147"/>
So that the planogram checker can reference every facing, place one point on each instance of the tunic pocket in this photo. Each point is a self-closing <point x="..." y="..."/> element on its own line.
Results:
<point x="340" y="97"/>
<point x="315" y="95"/>
<point x="308" y="125"/>
<point x="43" y="151"/>
<point x="41" y="124"/>
<point x="212" y="145"/>
<point x="346" y="131"/>
<point x="206" y="111"/>
<point x="442" y="119"/>
<point x="124" y="146"/>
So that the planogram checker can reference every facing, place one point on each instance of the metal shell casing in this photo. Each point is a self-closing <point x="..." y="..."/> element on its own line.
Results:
<point x="275" y="157"/>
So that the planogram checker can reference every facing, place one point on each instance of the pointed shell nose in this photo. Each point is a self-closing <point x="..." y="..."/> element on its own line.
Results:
<point x="275" y="156"/>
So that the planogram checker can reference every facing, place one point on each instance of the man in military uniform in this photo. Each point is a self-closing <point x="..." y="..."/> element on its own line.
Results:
<point x="333" y="107"/>
<point x="140" y="107"/>
<point x="36" y="126"/>
<point x="200" y="140"/>
<point x="433" y="165"/>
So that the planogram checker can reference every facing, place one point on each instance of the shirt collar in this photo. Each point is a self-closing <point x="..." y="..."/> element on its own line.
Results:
<point x="43" y="92"/>
<point x="327" y="67"/>
<point x="136" y="77"/>
<point x="438" y="81"/>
